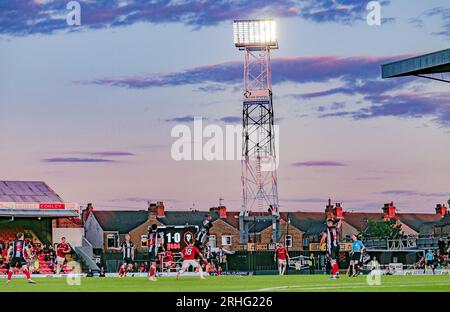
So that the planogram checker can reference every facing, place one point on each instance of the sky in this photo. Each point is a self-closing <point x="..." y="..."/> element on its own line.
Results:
<point x="89" y="108"/>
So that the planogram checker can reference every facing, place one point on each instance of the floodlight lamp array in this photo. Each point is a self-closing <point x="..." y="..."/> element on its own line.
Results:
<point x="255" y="33"/>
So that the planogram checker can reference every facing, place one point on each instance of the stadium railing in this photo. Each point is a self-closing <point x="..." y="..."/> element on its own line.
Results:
<point x="86" y="257"/>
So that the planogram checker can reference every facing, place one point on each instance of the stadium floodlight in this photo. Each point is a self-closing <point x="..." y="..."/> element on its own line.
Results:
<point x="255" y="33"/>
<point x="259" y="166"/>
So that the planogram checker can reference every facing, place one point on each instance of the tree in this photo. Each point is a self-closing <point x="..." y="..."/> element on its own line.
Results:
<point x="383" y="229"/>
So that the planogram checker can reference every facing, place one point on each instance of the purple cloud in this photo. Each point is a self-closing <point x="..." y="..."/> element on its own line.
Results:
<point x="77" y="160"/>
<point x="24" y="17"/>
<point x="405" y="105"/>
<point x="212" y="88"/>
<point x="318" y="163"/>
<point x="287" y="69"/>
<point x="183" y="119"/>
<point x="304" y="200"/>
<point x="440" y="12"/>
<point x="369" y="86"/>
<point x="359" y="76"/>
<point x="231" y="119"/>
<point x="112" y="153"/>
<point x="412" y="193"/>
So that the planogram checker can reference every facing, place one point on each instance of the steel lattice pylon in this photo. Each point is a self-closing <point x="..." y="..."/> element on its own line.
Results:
<point x="259" y="175"/>
<point x="259" y="166"/>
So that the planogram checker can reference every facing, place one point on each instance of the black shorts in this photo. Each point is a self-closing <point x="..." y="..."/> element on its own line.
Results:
<point x="334" y="252"/>
<point x="356" y="256"/>
<point x="199" y="245"/>
<point x="17" y="262"/>
<point x="127" y="260"/>
<point x="153" y="255"/>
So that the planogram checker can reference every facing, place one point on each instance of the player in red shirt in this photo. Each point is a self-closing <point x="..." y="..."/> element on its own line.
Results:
<point x="189" y="252"/>
<point x="61" y="250"/>
<point x="168" y="259"/>
<point x="283" y="257"/>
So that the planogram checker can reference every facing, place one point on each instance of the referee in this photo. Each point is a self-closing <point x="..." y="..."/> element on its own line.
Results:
<point x="357" y="249"/>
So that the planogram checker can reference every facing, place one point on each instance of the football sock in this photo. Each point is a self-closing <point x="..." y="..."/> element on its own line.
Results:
<point x="27" y="273"/>
<point x="335" y="269"/>
<point x="152" y="271"/>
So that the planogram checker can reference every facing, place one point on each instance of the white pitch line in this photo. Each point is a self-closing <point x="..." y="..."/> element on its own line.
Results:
<point x="343" y="286"/>
<point x="376" y="286"/>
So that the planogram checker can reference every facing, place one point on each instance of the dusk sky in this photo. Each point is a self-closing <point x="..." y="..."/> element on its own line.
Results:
<point x="89" y="109"/>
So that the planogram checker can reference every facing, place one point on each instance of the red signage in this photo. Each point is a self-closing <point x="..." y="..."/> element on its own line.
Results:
<point x="52" y="206"/>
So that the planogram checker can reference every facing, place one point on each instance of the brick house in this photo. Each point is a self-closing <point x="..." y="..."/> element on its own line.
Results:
<point x="106" y="229"/>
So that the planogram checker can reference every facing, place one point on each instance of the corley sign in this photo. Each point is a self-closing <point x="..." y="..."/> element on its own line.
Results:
<point x="39" y="206"/>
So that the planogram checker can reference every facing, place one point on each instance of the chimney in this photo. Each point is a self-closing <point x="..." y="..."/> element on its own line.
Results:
<point x="87" y="211"/>
<point x="389" y="211"/>
<point x="222" y="212"/>
<point x="160" y="209"/>
<point x="338" y="211"/>
<point x="329" y="209"/>
<point x="441" y="210"/>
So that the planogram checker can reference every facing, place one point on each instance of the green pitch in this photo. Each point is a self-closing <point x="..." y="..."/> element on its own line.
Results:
<point x="296" y="283"/>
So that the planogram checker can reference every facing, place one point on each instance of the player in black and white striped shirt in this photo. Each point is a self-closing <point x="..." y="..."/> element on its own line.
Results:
<point x="202" y="235"/>
<point x="155" y="243"/>
<point x="15" y="258"/>
<point x="127" y="248"/>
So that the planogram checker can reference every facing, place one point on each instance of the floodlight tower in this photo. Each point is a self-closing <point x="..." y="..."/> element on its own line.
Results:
<point x="259" y="174"/>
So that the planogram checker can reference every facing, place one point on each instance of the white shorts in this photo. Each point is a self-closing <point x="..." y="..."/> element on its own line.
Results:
<point x="60" y="259"/>
<point x="281" y="262"/>
<point x="187" y="263"/>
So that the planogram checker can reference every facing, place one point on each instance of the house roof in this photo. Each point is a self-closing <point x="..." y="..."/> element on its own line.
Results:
<point x="359" y="219"/>
<point x="418" y="221"/>
<point x="120" y="220"/>
<point x="258" y="226"/>
<point x="444" y="221"/>
<point x="186" y="217"/>
<point x="27" y="191"/>
<point x="232" y="218"/>
<point x="310" y="223"/>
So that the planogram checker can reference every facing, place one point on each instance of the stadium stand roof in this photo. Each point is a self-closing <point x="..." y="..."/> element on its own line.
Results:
<point x="25" y="191"/>
<point x="23" y="213"/>
<point x="427" y="64"/>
